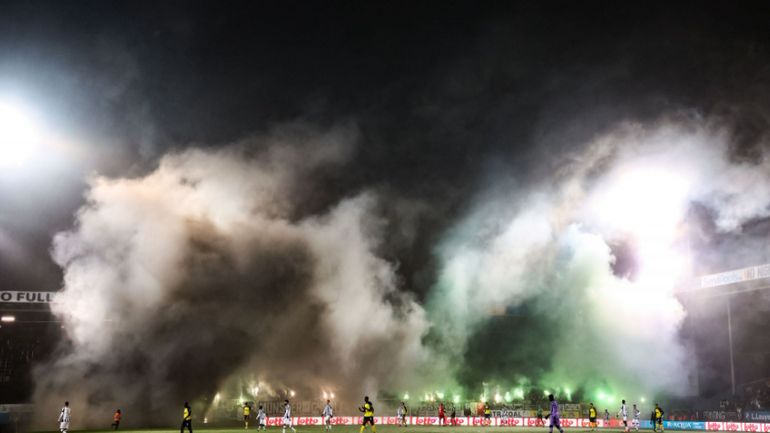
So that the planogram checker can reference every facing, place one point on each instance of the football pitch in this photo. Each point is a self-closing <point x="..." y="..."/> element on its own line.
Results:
<point x="380" y="429"/>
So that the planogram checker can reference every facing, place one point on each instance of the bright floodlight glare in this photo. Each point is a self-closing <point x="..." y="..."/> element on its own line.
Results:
<point x="646" y="201"/>
<point x="331" y="395"/>
<point x="19" y="136"/>
<point x="8" y="319"/>
<point x="291" y="393"/>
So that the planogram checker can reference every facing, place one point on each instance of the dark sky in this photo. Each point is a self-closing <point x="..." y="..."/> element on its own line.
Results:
<point x="441" y="91"/>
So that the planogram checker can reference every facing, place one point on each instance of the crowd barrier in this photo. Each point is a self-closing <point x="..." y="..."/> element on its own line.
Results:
<point x="529" y="422"/>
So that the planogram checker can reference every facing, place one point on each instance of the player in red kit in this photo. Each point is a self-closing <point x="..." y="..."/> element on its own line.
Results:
<point x="441" y="414"/>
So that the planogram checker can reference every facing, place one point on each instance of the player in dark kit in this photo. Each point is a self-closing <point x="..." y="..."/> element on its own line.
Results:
<point x="592" y="416"/>
<point x="246" y="415"/>
<point x="368" y="410"/>
<point x="658" y="418"/>
<point x="186" y="418"/>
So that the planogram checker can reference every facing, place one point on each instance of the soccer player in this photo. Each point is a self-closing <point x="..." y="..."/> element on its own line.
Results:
<point x="246" y="415"/>
<point x="624" y="413"/>
<point x="635" y="422"/>
<point x="287" y="416"/>
<point x="487" y="414"/>
<point x="116" y="420"/>
<point x="658" y="417"/>
<point x="452" y="417"/>
<point x="606" y="418"/>
<point x="441" y="414"/>
<point x="261" y="416"/>
<point x="186" y="418"/>
<point x="64" y="417"/>
<point x="368" y="410"/>
<point x="652" y="420"/>
<point x="327" y="415"/>
<point x="554" y="415"/>
<point x="592" y="416"/>
<point x="540" y="417"/>
<point x="401" y="413"/>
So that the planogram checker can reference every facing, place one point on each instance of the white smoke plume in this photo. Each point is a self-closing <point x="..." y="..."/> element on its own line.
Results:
<point x="211" y="267"/>
<point x="595" y="318"/>
<point x="179" y="281"/>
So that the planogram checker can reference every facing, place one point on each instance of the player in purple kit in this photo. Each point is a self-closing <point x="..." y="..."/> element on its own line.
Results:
<point x="554" y="415"/>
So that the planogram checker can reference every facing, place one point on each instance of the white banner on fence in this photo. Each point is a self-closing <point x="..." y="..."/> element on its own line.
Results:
<point x="520" y="422"/>
<point x="27" y="297"/>
<point x="737" y="276"/>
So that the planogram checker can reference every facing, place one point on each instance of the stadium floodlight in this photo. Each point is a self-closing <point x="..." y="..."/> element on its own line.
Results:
<point x="19" y="135"/>
<point x="8" y="319"/>
<point x="642" y="399"/>
<point x="406" y="396"/>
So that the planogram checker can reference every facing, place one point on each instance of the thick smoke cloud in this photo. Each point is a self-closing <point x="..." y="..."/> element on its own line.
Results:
<point x="581" y="268"/>
<point x="212" y="266"/>
<point x="180" y="280"/>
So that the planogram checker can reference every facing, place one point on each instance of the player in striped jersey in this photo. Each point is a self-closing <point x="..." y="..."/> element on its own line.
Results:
<point x="287" y="417"/>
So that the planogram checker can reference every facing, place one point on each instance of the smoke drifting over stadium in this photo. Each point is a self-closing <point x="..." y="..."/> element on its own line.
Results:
<point x="199" y="269"/>
<point x="551" y="251"/>
<point x="460" y="199"/>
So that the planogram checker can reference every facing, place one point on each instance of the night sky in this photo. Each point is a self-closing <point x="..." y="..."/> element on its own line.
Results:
<point x="440" y="91"/>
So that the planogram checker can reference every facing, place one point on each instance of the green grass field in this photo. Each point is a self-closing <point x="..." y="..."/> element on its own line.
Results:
<point x="380" y="429"/>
